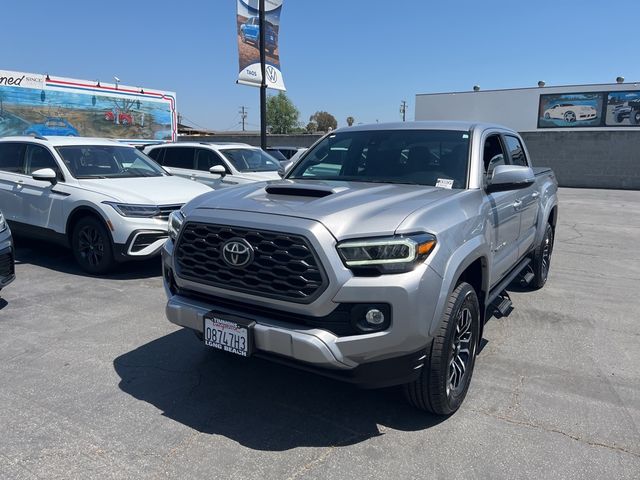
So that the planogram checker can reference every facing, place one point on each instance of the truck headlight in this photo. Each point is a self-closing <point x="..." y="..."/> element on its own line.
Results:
<point x="397" y="254"/>
<point x="3" y="224"/>
<point x="176" y="219"/>
<point x="137" y="211"/>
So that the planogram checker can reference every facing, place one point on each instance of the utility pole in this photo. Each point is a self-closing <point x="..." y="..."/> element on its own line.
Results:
<point x="263" y="86"/>
<point x="403" y="109"/>
<point x="243" y="115"/>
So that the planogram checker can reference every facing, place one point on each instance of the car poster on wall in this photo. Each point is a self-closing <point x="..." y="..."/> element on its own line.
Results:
<point x="36" y="104"/>
<point x="248" y="24"/>
<point x="570" y="110"/>
<point x="623" y="109"/>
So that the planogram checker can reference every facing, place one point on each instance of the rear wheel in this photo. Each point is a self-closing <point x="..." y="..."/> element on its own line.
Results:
<point x="542" y="259"/>
<point x="92" y="246"/>
<point x="448" y="367"/>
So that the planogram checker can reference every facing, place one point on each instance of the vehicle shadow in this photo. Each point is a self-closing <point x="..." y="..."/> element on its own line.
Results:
<point x="58" y="258"/>
<point x="259" y="404"/>
<point x="3" y="303"/>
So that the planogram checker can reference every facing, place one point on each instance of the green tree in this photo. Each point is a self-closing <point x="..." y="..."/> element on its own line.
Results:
<point x="282" y="114"/>
<point x="312" y="127"/>
<point x="350" y="120"/>
<point x="324" y="120"/>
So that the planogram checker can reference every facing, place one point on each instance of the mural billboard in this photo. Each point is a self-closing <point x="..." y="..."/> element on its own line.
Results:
<point x="34" y="104"/>
<point x="623" y="109"/>
<point x="570" y="110"/>
<point x="248" y="27"/>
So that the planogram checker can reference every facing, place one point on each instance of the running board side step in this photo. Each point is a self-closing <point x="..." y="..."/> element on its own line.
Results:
<point x="506" y="281"/>
<point x="502" y="306"/>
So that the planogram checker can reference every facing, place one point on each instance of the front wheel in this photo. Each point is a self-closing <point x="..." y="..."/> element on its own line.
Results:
<point x="448" y="366"/>
<point x="634" y="117"/>
<point x="92" y="246"/>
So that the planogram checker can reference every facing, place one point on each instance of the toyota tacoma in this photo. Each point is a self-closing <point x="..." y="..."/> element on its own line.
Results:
<point x="376" y="260"/>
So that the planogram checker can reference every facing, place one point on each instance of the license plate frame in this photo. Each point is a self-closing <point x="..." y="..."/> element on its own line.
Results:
<point x="227" y="332"/>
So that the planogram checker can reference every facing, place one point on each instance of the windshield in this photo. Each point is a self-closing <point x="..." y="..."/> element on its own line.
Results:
<point x="251" y="160"/>
<point x="423" y="157"/>
<point x="106" y="161"/>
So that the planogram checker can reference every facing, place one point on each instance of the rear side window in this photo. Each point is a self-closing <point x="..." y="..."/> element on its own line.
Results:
<point x="516" y="151"/>
<point x="12" y="157"/>
<point x="179" y="157"/>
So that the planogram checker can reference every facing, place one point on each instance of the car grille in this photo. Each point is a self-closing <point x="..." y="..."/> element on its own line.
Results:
<point x="165" y="210"/>
<point x="284" y="267"/>
<point x="6" y="264"/>
<point x="143" y="240"/>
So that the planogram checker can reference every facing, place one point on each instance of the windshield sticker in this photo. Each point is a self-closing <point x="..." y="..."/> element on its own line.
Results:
<point x="444" y="183"/>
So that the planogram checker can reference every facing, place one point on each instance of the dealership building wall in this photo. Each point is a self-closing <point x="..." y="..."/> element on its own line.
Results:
<point x="602" y="156"/>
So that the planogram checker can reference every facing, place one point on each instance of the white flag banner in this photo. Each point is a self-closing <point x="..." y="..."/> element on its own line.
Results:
<point x="249" y="43"/>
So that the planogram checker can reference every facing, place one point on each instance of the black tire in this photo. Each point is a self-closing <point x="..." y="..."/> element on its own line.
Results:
<point x="434" y="390"/>
<point x="542" y="259"/>
<point x="619" y="118"/>
<point x="570" y="116"/>
<point x="547" y="116"/>
<point x="92" y="248"/>
<point x="634" y="117"/>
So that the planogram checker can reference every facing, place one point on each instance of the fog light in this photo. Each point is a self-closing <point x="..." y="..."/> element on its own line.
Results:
<point x="374" y="317"/>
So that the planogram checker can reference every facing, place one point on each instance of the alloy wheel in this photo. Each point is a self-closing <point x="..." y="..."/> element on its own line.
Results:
<point x="91" y="246"/>
<point x="462" y="351"/>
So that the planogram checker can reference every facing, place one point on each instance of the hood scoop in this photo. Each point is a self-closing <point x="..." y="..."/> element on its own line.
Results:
<point x="298" y="190"/>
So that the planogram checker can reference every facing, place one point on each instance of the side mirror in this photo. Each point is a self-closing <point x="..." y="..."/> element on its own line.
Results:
<point x="285" y="166"/>
<point x="218" y="170"/>
<point x="510" y="177"/>
<point x="45" y="175"/>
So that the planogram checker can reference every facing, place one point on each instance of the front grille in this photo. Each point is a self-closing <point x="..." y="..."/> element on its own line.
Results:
<point x="284" y="267"/>
<point x="143" y="240"/>
<point x="6" y="264"/>
<point x="165" y="210"/>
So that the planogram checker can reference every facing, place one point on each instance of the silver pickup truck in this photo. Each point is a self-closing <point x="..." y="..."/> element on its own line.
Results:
<point x="377" y="259"/>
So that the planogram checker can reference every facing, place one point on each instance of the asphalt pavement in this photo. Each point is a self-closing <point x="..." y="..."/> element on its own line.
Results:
<point x="95" y="383"/>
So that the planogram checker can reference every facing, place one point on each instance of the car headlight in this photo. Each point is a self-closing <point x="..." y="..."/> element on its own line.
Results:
<point x="176" y="219"/>
<point x="3" y="224"/>
<point x="397" y="254"/>
<point x="137" y="211"/>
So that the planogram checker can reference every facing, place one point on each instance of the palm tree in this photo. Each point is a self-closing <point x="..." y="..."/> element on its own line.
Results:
<point x="350" y="120"/>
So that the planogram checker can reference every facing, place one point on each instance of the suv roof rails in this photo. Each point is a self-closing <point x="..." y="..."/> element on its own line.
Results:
<point x="40" y="137"/>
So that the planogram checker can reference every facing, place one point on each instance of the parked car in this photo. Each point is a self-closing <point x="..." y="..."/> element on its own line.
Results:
<point x="7" y="257"/>
<point x="250" y="31"/>
<point x="123" y="118"/>
<point x="287" y="152"/>
<point x="380" y="272"/>
<point x="52" y="126"/>
<point x="217" y="165"/>
<point x="571" y="113"/>
<point x="106" y="200"/>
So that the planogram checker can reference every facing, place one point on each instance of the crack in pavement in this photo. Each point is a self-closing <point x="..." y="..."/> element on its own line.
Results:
<point x="523" y="423"/>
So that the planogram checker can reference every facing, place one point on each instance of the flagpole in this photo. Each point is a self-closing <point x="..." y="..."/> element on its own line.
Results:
<point x="263" y="85"/>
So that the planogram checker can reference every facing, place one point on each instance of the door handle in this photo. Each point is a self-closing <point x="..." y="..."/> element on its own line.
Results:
<point x="517" y="204"/>
<point x="535" y="195"/>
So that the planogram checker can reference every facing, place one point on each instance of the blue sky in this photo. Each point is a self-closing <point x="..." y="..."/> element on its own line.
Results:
<point x="348" y="57"/>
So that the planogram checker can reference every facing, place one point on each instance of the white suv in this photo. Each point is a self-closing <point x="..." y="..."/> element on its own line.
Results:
<point x="217" y="165"/>
<point x="106" y="200"/>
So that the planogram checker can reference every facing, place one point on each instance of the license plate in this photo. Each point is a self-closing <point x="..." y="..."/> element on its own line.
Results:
<point x="229" y="333"/>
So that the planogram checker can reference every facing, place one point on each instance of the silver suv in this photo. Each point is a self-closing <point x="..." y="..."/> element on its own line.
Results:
<point x="377" y="260"/>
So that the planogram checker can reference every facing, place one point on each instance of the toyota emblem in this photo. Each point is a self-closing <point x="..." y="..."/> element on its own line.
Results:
<point x="237" y="252"/>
